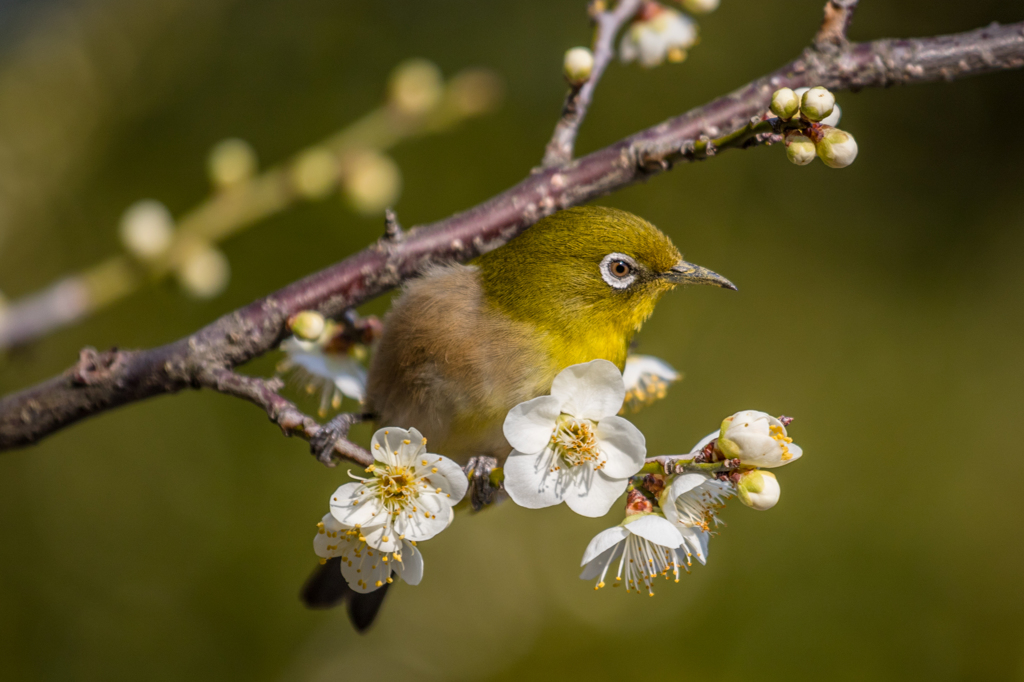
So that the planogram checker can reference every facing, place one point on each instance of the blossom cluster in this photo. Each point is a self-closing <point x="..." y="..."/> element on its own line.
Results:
<point x="659" y="33"/>
<point x="817" y="136"/>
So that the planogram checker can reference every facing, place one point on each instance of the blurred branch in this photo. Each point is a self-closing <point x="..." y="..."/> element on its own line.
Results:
<point x="236" y="207"/>
<point x="123" y="377"/>
<point x="835" y="24"/>
<point x="563" y="140"/>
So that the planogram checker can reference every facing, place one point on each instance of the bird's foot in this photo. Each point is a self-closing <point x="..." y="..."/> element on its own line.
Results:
<point x="482" y="489"/>
<point x="333" y="436"/>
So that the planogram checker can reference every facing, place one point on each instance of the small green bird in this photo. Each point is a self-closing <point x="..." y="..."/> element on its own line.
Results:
<point x="464" y="344"/>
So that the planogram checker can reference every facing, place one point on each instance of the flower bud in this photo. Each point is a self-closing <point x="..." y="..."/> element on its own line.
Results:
<point x="147" y="229"/>
<point x="230" y="162"/>
<point x="307" y="325"/>
<point x="800" y="149"/>
<point x="833" y="118"/>
<point x="758" y="489"/>
<point x="578" y="63"/>
<point x="700" y="6"/>
<point x="315" y="173"/>
<point x="837" y="148"/>
<point x="205" y="273"/>
<point x="757" y="439"/>
<point x="475" y="91"/>
<point x="785" y="104"/>
<point x="817" y="103"/>
<point x="415" y="87"/>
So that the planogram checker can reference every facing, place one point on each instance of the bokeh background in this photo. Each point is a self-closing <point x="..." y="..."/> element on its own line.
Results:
<point x="880" y="305"/>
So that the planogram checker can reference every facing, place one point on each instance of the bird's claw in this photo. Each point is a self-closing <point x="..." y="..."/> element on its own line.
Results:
<point x="481" y="491"/>
<point x="323" y="444"/>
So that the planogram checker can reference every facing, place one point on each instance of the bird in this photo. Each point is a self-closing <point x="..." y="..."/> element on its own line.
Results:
<point x="465" y="343"/>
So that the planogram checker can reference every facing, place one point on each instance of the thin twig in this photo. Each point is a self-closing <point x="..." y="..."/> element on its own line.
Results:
<point x="835" y="24"/>
<point x="240" y="336"/>
<point x="560" y="149"/>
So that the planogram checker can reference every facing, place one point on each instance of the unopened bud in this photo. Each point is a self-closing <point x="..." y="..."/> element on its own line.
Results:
<point x="700" y="6"/>
<point x="230" y="162"/>
<point x="415" y="87"/>
<point x="800" y="149"/>
<point x="817" y="103"/>
<point x="837" y="148"/>
<point x="637" y="503"/>
<point x="205" y="274"/>
<point x="147" y="229"/>
<point x="577" y="66"/>
<point x="475" y="91"/>
<point x="307" y="325"/>
<point x="372" y="182"/>
<point x="315" y="173"/>
<point x="785" y="104"/>
<point x="833" y="118"/>
<point x="758" y="489"/>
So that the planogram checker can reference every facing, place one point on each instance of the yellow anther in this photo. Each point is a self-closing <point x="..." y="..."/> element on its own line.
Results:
<point x="433" y="470"/>
<point x="406" y="441"/>
<point x="389" y="581"/>
<point x="424" y="463"/>
<point x="322" y="561"/>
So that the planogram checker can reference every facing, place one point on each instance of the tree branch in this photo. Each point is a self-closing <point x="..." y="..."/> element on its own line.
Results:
<point x="99" y="382"/>
<point x="559" y="150"/>
<point x="835" y="24"/>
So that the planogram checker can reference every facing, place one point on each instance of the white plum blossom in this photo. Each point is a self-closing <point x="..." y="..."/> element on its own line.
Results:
<point x="691" y="501"/>
<point x="334" y="372"/>
<point x="570" y="446"/>
<point x="645" y="546"/>
<point x="647" y="379"/>
<point x="758" y="489"/>
<point x="755" y="438"/>
<point x="409" y="494"/>
<point x="662" y="34"/>
<point x="364" y="568"/>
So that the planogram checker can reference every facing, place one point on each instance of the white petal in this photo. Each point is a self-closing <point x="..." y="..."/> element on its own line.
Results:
<point x="623" y="445"/>
<point x="528" y="426"/>
<point x="604" y="540"/>
<point x="410" y="568"/>
<point x="363" y="572"/>
<point x="639" y="365"/>
<point x="432" y="516"/>
<point x="353" y="508"/>
<point x="592" y="493"/>
<point x="658" y="530"/>
<point x="386" y="442"/>
<point x="450" y="477"/>
<point x="685" y="483"/>
<point x="529" y="481"/>
<point x="375" y="538"/>
<point x="695" y="542"/>
<point x="591" y="390"/>
<point x="597" y="565"/>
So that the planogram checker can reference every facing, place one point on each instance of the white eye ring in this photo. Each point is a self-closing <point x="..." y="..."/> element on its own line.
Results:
<point x="618" y="281"/>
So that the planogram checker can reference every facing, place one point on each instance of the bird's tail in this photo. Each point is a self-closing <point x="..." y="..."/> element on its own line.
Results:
<point x="326" y="588"/>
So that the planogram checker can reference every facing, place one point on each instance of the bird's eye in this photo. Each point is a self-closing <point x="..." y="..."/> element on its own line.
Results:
<point x="618" y="270"/>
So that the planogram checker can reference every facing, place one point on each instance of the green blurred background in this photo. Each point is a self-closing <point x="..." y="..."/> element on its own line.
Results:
<point x="880" y="305"/>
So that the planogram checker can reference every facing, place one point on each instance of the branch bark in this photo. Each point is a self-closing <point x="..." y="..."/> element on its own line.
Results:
<point x="102" y="381"/>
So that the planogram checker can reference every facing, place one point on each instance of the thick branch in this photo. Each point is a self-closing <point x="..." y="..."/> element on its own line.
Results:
<point x="563" y="140"/>
<point x="103" y="381"/>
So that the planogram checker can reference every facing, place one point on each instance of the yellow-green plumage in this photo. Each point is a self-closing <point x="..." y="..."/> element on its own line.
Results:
<point x="463" y="344"/>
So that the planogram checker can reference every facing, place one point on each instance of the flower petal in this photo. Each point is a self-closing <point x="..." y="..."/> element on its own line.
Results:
<point x="449" y="477"/>
<point x="353" y="508"/>
<point x="410" y="568"/>
<point x="695" y="542"/>
<point x="591" y="390"/>
<point x="431" y="516"/>
<point x="375" y="538"/>
<point x="365" y="569"/>
<point x="639" y="365"/>
<point x="623" y="445"/>
<point x="704" y="441"/>
<point x="530" y="482"/>
<point x="528" y="426"/>
<point x="386" y="442"/>
<point x="657" y="529"/>
<point x="592" y="493"/>
<point x="604" y="540"/>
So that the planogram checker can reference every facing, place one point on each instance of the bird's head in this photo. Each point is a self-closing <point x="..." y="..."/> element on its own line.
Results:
<point x="588" y="272"/>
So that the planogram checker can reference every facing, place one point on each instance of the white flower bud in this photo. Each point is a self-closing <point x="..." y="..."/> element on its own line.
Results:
<point x="205" y="274"/>
<point x="800" y="149"/>
<point x="315" y="173"/>
<point x="578" y="63"/>
<point x="230" y="162"/>
<point x="307" y="325"/>
<point x="837" y="148"/>
<point x="415" y="87"/>
<point x="700" y="6"/>
<point x="817" y="103"/>
<point x="147" y="229"/>
<point x="833" y="118"/>
<point x="372" y="183"/>
<point x="757" y="439"/>
<point x="758" y="489"/>
<point x="785" y="104"/>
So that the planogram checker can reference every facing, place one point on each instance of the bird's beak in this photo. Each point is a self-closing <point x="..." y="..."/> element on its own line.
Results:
<point x="694" y="274"/>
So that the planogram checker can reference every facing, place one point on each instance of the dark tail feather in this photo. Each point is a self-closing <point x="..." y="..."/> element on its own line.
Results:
<point x="326" y="588"/>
